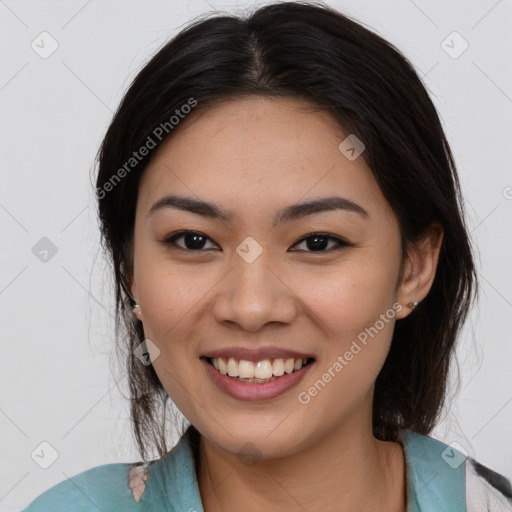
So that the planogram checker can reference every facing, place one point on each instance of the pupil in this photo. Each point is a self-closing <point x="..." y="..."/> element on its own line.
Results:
<point x="317" y="243"/>
<point x="194" y="241"/>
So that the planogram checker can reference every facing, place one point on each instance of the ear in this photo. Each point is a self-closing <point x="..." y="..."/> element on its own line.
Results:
<point x="133" y="288"/>
<point x="420" y="268"/>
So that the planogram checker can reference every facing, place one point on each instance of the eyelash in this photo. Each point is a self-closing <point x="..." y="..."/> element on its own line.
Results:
<point x="170" y="241"/>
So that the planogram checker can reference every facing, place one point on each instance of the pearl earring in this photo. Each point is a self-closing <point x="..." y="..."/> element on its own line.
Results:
<point x="413" y="305"/>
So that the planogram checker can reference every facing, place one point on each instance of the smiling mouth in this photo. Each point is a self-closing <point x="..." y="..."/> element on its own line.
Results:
<point x="266" y="370"/>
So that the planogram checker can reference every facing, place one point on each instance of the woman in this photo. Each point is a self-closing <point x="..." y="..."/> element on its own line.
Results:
<point x="292" y="267"/>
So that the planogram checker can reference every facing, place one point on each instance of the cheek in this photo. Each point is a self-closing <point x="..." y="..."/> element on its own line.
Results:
<point x="356" y="311"/>
<point x="167" y="296"/>
<point x="174" y="298"/>
<point x="171" y="301"/>
<point x="350" y="297"/>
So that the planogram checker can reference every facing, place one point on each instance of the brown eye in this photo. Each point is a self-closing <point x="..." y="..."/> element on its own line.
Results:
<point x="319" y="242"/>
<point x="190" y="240"/>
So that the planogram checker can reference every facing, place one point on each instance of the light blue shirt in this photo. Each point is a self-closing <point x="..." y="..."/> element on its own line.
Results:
<point x="435" y="483"/>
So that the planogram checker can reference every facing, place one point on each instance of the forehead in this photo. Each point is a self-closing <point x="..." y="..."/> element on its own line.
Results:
<point x="259" y="151"/>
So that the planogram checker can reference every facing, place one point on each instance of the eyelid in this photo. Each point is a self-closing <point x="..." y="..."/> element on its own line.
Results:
<point x="341" y="242"/>
<point x="170" y="240"/>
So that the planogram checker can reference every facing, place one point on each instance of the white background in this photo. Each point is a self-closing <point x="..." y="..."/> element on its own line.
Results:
<point x="56" y="328"/>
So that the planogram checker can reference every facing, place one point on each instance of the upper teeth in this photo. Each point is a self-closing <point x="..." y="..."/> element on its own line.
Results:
<point x="264" y="369"/>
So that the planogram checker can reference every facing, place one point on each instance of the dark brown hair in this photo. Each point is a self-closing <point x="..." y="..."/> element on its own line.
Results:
<point x="311" y="52"/>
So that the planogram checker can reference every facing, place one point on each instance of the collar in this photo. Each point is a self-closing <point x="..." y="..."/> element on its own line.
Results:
<point x="435" y="474"/>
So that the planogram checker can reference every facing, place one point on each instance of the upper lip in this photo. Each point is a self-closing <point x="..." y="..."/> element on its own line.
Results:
<point x="258" y="354"/>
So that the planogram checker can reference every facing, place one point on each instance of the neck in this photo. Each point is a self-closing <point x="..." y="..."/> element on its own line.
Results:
<point x="346" y="470"/>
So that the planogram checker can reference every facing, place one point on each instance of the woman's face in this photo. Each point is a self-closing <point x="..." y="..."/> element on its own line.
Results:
<point x="257" y="284"/>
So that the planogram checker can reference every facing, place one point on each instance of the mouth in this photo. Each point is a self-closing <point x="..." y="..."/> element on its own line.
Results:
<point x="260" y="372"/>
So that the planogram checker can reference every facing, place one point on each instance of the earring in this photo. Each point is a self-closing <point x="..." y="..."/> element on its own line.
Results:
<point x="413" y="305"/>
<point x="134" y="305"/>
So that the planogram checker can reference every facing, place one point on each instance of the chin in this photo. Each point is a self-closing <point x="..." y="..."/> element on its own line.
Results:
<point x="256" y="439"/>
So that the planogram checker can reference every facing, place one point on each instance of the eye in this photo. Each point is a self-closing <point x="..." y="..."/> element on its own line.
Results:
<point x="192" y="241"/>
<point x="197" y="241"/>
<point x="319" y="242"/>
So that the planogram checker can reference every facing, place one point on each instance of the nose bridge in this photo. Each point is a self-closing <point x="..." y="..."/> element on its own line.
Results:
<point x="250" y="268"/>
<point x="253" y="295"/>
<point x="253" y="280"/>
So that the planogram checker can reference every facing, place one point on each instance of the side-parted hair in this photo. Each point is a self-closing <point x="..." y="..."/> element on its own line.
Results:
<point x="306" y="51"/>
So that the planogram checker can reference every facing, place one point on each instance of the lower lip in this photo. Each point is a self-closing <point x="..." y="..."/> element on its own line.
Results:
<point x="252" y="391"/>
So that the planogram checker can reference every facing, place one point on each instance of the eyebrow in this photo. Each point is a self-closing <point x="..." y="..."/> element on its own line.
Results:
<point x="287" y="214"/>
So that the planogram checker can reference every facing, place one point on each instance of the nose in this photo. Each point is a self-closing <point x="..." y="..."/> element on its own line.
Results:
<point x="253" y="295"/>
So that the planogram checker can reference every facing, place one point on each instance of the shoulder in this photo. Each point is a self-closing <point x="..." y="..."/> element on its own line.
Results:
<point x="168" y="483"/>
<point x="109" y="487"/>
<point x="486" y="489"/>
<point x="440" y="474"/>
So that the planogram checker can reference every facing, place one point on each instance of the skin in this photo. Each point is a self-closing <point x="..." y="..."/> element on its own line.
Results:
<point x="255" y="156"/>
